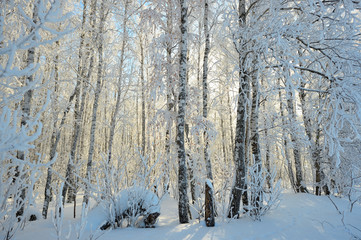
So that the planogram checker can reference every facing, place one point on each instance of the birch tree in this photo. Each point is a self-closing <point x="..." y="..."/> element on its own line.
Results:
<point x="98" y="88"/>
<point x="183" y="202"/>
<point x="169" y="86"/>
<point x="83" y="75"/>
<point x="19" y="173"/>
<point x="239" y="187"/>
<point x="209" y="199"/>
<point x="120" y="80"/>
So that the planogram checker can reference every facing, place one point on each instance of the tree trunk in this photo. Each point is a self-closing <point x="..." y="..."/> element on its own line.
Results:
<point x="300" y="187"/>
<point x="55" y="138"/>
<point x="256" y="197"/>
<point x="26" y="106"/>
<point x="223" y="135"/>
<point x="314" y="144"/>
<point x="209" y="212"/>
<point x="142" y="82"/>
<point x="239" y="186"/>
<point x="182" y="168"/>
<point x="192" y="180"/>
<point x="285" y="142"/>
<point x="69" y="185"/>
<point x="120" y="79"/>
<point x="96" y="101"/>
<point x="267" y="150"/>
<point x="230" y="120"/>
<point x="209" y="198"/>
<point x="170" y="103"/>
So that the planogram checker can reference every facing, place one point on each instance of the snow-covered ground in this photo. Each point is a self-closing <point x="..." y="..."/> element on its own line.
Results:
<point x="299" y="216"/>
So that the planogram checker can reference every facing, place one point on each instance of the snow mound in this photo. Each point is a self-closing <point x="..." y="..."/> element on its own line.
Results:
<point x="136" y="199"/>
<point x="135" y="206"/>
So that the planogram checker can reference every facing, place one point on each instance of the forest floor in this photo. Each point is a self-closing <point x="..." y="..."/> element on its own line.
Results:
<point x="298" y="216"/>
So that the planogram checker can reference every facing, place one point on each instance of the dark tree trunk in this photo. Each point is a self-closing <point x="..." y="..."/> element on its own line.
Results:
<point x="239" y="187"/>
<point x="209" y="205"/>
<point x="209" y="198"/>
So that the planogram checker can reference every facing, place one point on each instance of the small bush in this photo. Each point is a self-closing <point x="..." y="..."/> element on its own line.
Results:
<point x="136" y="207"/>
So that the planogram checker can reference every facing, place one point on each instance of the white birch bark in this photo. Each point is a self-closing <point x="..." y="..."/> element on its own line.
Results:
<point x="182" y="167"/>
<point x="82" y="76"/>
<point x="209" y="198"/>
<point x="267" y="143"/>
<point x="169" y="89"/>
<point x="241" y="127"/>
<point x="300" y="185"/>
<point x="98" y="89"/>
<point x="120" y="79"/>
<point x="142" y="83"/>
<point x="229" y="106"/>
<point x="256" y="197"/>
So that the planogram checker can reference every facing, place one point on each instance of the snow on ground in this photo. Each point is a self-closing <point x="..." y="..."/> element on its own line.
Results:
<point x="299" y="216"/>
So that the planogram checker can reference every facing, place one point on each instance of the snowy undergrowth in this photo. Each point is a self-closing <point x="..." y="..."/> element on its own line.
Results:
<point x="299" y="216"/>
<point x="129" y="206"/>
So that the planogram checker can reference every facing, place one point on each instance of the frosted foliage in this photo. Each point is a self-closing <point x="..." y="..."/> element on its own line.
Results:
<point x="262" y="201"/>
<point x="283" y="85"/>
<point x="17" y="176"/>
<point x="200" y="125"/>
<point x="22" y="31"/>
<point x="130" y="205"/>
<point x="314" y="42"/>
<point x="342" y="116"/>
<point x="133" y="196"/>
<point x="15" y="37"/>
<point x="15" y="139"/>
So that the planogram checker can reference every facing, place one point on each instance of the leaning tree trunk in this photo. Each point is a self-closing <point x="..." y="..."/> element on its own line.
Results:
<point x="96" y="102"/>
<point x="209" y="198"/>
<point x="69" y="186"/>
<point x="241" y="126"/>
<point x="55" y="137"/>
<point x="182" y="167"/>
<point x="83" y="111"/>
